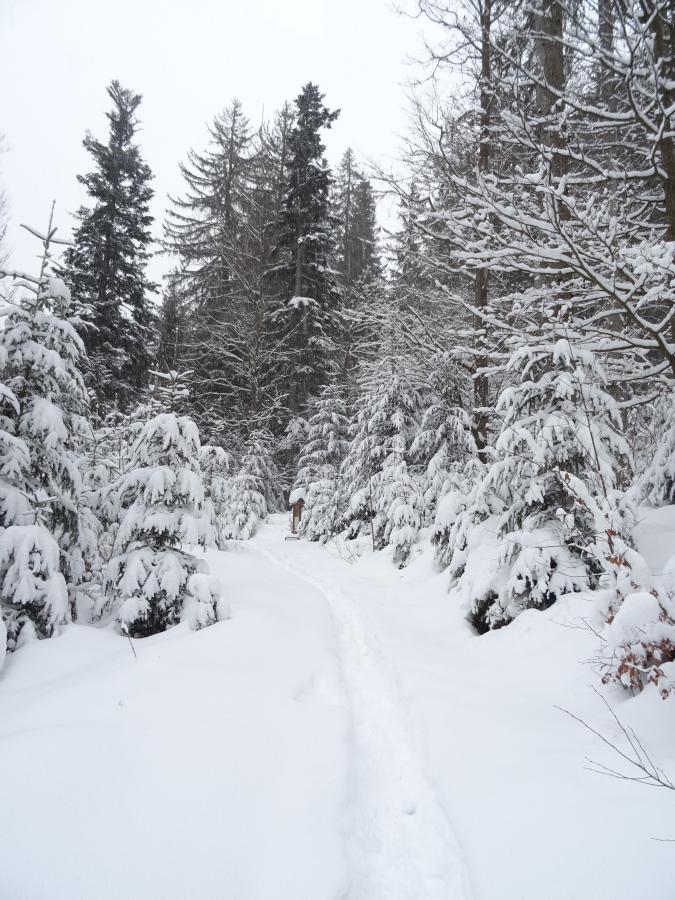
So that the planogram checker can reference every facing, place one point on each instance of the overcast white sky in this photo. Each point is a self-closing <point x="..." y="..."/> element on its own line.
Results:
<point x="188" y="58"/>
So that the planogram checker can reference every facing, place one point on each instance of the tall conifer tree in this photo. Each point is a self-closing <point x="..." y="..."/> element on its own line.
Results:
<point x="354" y="208"/>
<point x="307" y="317"/>
<point x="111" y="248"/>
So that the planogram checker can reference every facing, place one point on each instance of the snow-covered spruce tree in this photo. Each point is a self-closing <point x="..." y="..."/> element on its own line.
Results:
<point x="105" y="460"/>
<point x="108" y="458"/>
<point x="289" y="448"/>
<point x="153" y="580"/>
<point x="442" y="445"/>
<point x="657" y="484"/>
<point x="44" y="533"/>
<point x="551" y="490"/>
<point x="215" y="464"/>
<point x="451" y="522"/>
<point x="34" y="596"/>
<point x="169" y="391"/>
<point x="399" y="503"/>
<point x="108" y="454"/>
<point x="377" y="491"/>
<point x="108" y="259"/>
<point x="319" y="465"/>
<point x="253" y="490"/>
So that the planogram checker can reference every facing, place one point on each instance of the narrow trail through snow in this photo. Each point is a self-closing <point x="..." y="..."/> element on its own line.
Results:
<point x="399" y="841"/>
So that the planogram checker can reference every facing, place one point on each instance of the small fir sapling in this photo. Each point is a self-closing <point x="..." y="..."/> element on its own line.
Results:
<point x="657" y="484"/>
<point x="46" y="535"/>
<point x="379" y="493"/>
<point x="253" y="487"/>
<point x="319" y="465"/>
<point x="443" y="447"/>
<point x="551" y="487"/>
<point x="215" y="464"/>
<point x="154" y="580"/>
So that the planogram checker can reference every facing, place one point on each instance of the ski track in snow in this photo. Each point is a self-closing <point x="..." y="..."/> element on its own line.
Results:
<point x="399" y="842"/>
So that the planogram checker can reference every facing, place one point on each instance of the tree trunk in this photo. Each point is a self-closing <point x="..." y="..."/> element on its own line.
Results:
<point x="481" y="387"/>
<point x="606" y="38"/>
<point x="548" y="26"/>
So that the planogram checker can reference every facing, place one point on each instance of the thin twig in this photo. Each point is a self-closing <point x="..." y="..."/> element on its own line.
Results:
<point x="637" y="757"/>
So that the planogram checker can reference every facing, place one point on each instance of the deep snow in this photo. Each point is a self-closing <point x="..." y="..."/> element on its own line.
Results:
<point x="344" y="735"/>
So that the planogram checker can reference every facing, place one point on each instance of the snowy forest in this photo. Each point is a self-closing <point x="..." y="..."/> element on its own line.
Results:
<point x="497" y="370"/>
<point x="467" y="356"/>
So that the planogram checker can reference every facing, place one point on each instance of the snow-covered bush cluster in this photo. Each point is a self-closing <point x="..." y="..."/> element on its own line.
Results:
<point x="639" y="641"/>
<point x="549" y="490"/>
<point x="93" y="520"/>
<point x="45" y="538"/>
<point x="152" y="580"/>
<point x="253" y="490"/>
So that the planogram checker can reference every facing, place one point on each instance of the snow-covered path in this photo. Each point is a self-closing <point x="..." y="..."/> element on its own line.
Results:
<point x="400" y="843"/>
<point x="467" y="731"/>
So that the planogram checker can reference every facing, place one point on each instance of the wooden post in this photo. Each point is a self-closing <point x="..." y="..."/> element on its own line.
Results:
<point x="296" y="514"/>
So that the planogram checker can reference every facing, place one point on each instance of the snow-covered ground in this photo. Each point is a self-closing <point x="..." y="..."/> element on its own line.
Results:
<point x="344" y="735"/>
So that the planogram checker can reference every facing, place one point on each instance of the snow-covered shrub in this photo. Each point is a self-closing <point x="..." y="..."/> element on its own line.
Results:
<point x="448" y="534"/>
<point x="646" y="427"/>
<point x="151" y="576"/>
<point x="252" y="491"/>
<point x="639" y="642"/>
<point x="398" y="509"/>
<point x="442" y="446"/>
<point x="34" y="592"/>
<point x="477" y="569"/>
<point x="289" y="449"/>
<point x="215" y="464"/>
<point x="99" y="472"/>
<point x="378" y="491"/>
<point x="638" y="639"/>
<point x="169" y="391"/>
<point x="248" y="506"/>
<point x="321" y="513"/>
<point x="104" y="458"/>
<point x="258" y="459"/>
<point x="319" y="466"/>
<point x="43" y="407"/>
<point x="657" y="485"/>
<point x="552" y="486"/>
<point x="204" y="601"/>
